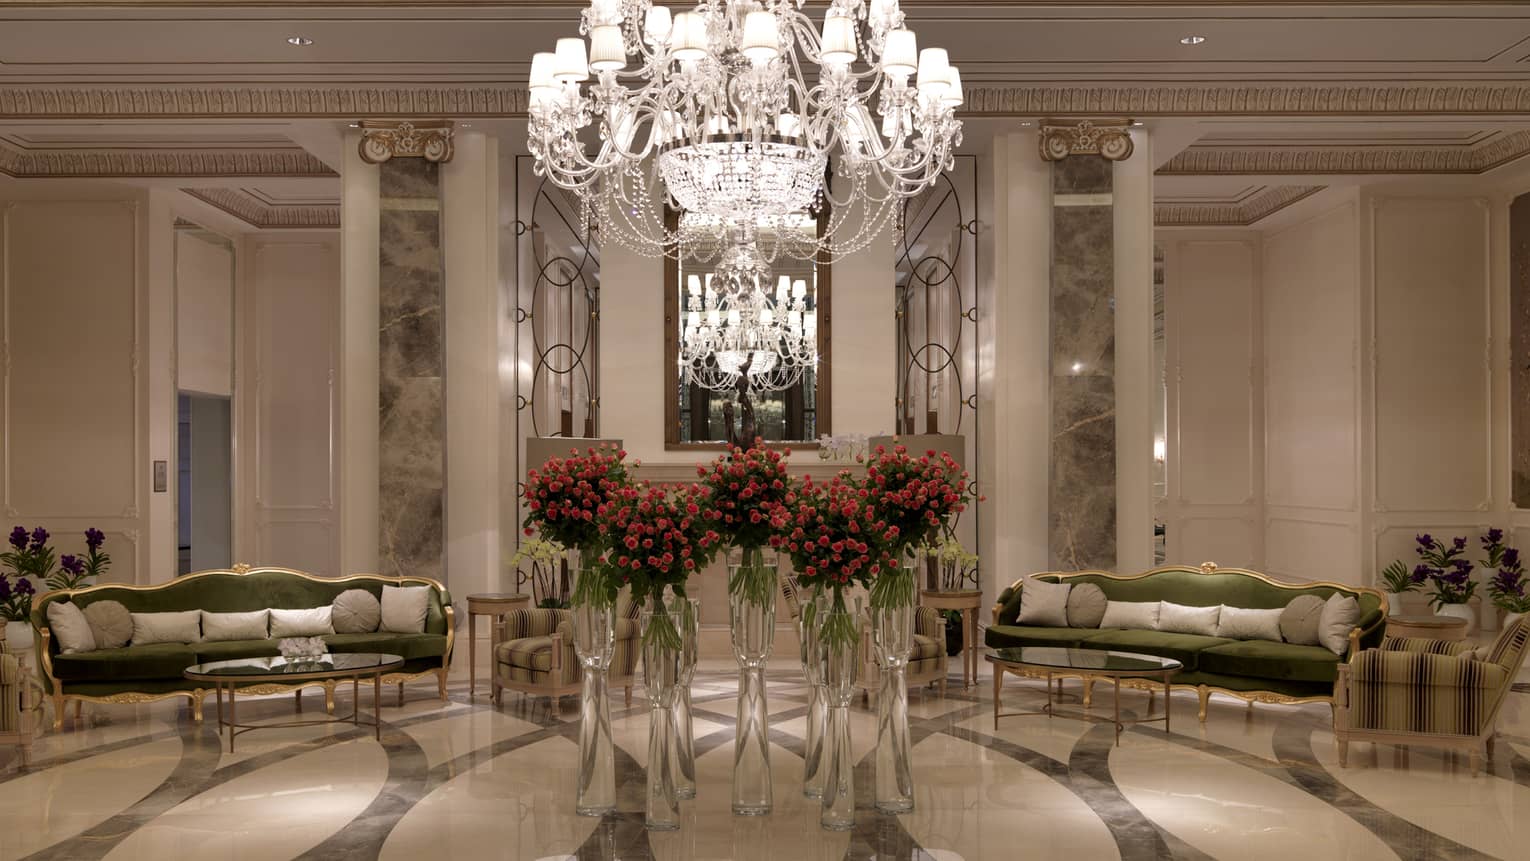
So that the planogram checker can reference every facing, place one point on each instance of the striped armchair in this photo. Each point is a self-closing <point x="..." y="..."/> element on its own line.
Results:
<point x="534" y="652"/>
<point x="926" y="666"/>
<point x="1435" y="692"/>
<point x="19" y="704"/>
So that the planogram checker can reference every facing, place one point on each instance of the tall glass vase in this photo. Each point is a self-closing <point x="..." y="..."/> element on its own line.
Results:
<point x="662" y="648"/>
<point x="838" y="635"/>
<point x="594" y="644"/>
<point x="752" y="613"/>
<point x="683" y="752"/>
<point x="892" y="636"/>
<point x="817" y="716"/>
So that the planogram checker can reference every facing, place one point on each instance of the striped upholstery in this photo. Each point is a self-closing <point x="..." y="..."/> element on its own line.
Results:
<point x="524" y="654"/>
<point x="10" y="692"/>
<point x="1433" y="686"/>
<point x="926" y="663"/>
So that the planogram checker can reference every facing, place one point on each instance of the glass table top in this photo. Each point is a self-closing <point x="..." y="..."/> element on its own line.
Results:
<point x="347" y="662"/>
<point x="1097" y="660"/>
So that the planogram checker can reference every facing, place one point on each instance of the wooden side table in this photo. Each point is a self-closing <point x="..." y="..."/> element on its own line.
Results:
<point x="495" y="605"/>
<point x="1428" y="627"/>
<point x="968" y="601"/>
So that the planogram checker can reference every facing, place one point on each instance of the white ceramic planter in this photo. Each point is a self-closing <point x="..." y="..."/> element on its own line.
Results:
<point x="18" y="636"/>
<point x="1460" y="611"/>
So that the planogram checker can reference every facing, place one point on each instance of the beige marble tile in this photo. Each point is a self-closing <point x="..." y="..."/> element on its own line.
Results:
<point x="457" y="734"/>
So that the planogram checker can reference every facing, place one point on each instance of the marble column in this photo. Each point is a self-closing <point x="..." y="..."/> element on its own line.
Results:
<point x="1519" y="348"/>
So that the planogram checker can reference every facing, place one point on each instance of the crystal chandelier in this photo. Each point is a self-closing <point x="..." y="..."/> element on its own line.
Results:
<point x="735" y="330"/>
<point x="734" y="113"/>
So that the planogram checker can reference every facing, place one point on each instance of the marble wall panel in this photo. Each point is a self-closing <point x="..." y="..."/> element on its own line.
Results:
<point x="1082" y="493"/>
<point x="411" y="455"/>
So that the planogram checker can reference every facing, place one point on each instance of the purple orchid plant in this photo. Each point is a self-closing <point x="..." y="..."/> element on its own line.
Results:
<point x="1446" y="569"/>
<point x="1507" y="586"/>
<point x="32" y="559"/>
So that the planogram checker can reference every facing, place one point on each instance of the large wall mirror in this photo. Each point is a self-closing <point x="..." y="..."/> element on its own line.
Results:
<point x="697" y="416"/>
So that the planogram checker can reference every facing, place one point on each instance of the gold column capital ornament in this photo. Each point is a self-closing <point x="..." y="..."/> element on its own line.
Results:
<point x="1109" y="138"/>
<point x="430" y="140"/>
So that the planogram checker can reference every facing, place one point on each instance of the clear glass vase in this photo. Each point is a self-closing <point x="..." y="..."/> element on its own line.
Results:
<point x="662" y="648"/>
<point x="752" y="614"/>
<point x="808" y="645"/>
<point x="683" y="752"/>
<point x="892" y="637"/>
<point x="594" y="644"/>
<point x="839" y="636"/>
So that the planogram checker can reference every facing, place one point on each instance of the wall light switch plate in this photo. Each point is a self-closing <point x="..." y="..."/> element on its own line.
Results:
<point x="161" y="476"/>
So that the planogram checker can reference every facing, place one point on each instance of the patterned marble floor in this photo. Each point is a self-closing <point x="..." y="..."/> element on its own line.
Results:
<point x="466" y="779"/>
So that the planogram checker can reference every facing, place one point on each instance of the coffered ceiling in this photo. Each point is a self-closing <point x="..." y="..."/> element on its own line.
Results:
<point x="1281" y="99"/>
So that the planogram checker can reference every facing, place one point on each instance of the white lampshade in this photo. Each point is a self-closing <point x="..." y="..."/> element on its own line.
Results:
<point x="953" y="96"/>
<point x="693" y="319"/>
<point x="694" y="285"/>
<point x="542" y="72"/>
<point x="788" y="125"/>
<point x="607" y="53"/>
<point x="714" y="319"/>
<point x="799" y="289"/>
<point x="658" y="24"/>
<point x="733" y="317"/>
<point x="838" y="40"/>
<point x="762" y="41"/>
<point x="901" y="54"/>
<point x="767" y="317"/>
<point x="783" y="288"/>
<point x="688" y="41"/>
<point x="934" y="71"/>
<point x="570" y="62"/>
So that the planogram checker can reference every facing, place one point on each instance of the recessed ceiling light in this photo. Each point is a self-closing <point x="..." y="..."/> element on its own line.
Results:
<point x="1192" y="40"/>
<point x="466" y="125"/>
<point x="300" y="41"/>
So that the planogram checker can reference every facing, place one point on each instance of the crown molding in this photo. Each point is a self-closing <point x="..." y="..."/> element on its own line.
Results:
<point x="1254" y="160"/>
<point x="28" y="164"/>
<point x="1232" y="215"/>
<point x="265" y="217"/>
<point x="404" y="102"/>
<point x="381" y="141"/>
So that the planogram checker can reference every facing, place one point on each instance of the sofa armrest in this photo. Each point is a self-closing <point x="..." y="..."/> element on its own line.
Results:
<point x="930" y="622"/>
<point x="1422" y="669"/>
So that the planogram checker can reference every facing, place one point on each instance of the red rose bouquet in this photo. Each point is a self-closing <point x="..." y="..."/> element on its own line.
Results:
<point x="656" y="538"/>
<point x="746" y="488"/>
<point x="918" y="497"/>
<point x="836" y="539"/>
<point x="564" y="501"/>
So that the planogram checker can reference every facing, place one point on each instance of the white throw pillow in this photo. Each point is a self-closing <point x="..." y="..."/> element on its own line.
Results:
<point x="184" y="626"/>
<point x="404" y="609"/>
<point x="1241" y="623"/>
<point x="1339" y="616"/>
<point x="70" y="628"/>
<point x="312" y="622"/>
<point x="1043" y="603"/>
<point x="218" y="627"/>
<point x="1184" y="619"/>
<point x="1132" y="615"/>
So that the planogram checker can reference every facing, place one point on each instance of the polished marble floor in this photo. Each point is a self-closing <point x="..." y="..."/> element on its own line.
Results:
<point x="468" y="780"/>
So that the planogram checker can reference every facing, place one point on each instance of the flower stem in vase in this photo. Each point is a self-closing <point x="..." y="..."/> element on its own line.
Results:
<point x="838" y="637"/>
<point x="892" y="619"/>
<point x="683" y="751"/>
<point x="594" y="645"/>
<point x="752" y="612"/>
<point x="812" y="767"/>
<point x="661" y="672"/>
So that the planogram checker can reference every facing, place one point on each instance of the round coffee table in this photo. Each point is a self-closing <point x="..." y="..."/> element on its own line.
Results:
<point x="253" y="672"/>
<point x="1086" y="664"/>
<point x="1428" y="627"/>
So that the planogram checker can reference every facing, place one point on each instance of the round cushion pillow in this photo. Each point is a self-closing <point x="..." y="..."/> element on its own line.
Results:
<point x="356" y="611"/>
<point x="110" y="622"/>
<point x="1086" y="606"/>
<point x="1299" y="621"/>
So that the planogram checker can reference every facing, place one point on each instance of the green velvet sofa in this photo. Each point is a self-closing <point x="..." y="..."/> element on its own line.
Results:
<point x="1251" y="670"/>
<point x="137" y="674"/>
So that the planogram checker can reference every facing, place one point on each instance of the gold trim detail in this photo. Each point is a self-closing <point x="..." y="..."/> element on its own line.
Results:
<point x="1110" y="139"/>
<point x="256" y="214"/>
<point x="431" y="141"/>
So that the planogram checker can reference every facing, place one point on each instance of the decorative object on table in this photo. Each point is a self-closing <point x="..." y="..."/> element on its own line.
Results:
<point x="950" y="566"/>
<point x="1506" y="587"/>
<point x="15" y="609"/>
<point x="917" y="498"/>
<point x="835" y="539"/>
<point x="551" y="586"/>
<point x="32" y="560"/>
<point x="745" y="488"/>
<point x="741" y="108"/>
<point x="1398" y="580"/>
<point x="658" y="538"/>
<point x="564" y="499"/>
<point x="302" y="648"/>
<point x="1462" y="689"/>
<point x="842" y="447"/>
<point x="688" y="612"/>
<point x="1450" y="577"/>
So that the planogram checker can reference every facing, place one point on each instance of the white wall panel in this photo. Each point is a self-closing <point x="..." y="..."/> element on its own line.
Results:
<point x="1432" y="382"/>
<point x="1312" y="386"/>
<point x="1211" y="298"/>
<point x="1227" y="541"/>
<point x="1300" y="549"/>
<point x="204" y="315"/>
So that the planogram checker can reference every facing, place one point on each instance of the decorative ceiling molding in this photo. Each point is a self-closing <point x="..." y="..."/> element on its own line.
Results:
<point x="251" y="211"/>
<point x="114" y="163"/>
<point x="1241" y="214"/>
<point x="342" y="102"/>
<point x="1110" y="139"/>
<point x="1224" y="160"/>
<point x="382" y="141"/>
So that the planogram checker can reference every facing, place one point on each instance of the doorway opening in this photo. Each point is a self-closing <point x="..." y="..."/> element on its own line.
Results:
<point x="205" y="476"/>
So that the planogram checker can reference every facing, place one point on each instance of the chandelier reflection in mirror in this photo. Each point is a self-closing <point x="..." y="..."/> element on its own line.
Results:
<point x="736" y="329"/>
<point x="732" y="112"/>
